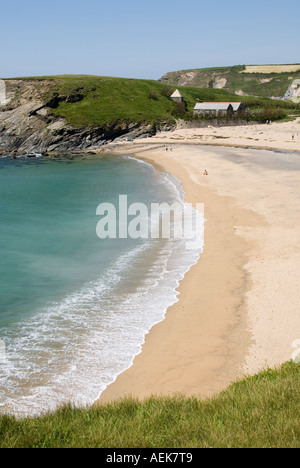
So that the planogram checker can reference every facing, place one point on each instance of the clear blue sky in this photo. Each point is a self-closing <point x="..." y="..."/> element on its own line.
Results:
<point x="144" y="38"/>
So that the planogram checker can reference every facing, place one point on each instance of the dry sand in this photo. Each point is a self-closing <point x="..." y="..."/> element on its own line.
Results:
<point x="238" y="308"/>
<point x="278" y="136"/>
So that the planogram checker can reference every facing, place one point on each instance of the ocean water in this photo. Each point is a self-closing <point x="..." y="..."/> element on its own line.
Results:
<point x="74" y="309"/>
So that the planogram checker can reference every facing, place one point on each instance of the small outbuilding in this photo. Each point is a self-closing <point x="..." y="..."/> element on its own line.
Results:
<point x="215" y="109"/>
<point x="177" y="96"/>
<point x="238" y="107"/>
<point x="218" y="109"/>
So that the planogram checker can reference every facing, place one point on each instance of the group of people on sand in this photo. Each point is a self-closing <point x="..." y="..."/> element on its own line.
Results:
<point x="205" y="173"/>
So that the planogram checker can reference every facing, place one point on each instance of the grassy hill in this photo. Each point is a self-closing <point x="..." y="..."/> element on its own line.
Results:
<point x="107" y="99"/>
<point x="263" y="81"/>
<point x="70" y="113"/>
<point x="99" y="101"/>
<point x="260" y="411"/>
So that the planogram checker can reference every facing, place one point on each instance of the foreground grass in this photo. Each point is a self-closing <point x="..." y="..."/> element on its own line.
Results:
<point x="261" y="411"/>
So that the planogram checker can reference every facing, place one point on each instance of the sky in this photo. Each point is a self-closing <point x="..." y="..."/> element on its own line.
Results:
<point x="144" y="38"/>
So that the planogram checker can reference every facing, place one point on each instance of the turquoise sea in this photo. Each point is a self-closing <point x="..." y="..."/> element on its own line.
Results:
<point x="74" y="309"/>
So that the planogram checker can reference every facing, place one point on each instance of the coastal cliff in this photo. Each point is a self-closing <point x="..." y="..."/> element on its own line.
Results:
<point x="28" y="122"/>
<point x="81" y="112"/>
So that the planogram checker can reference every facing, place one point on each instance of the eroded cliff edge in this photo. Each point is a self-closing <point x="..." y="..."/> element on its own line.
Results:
<point x="28" y="123"/>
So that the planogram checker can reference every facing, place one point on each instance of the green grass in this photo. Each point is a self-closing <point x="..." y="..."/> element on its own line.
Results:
<point x="107" y="100"/>
<point x="260" y="411"/>
<point x="112" y="99"/>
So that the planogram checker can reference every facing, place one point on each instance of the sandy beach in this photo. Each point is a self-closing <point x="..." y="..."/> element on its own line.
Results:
<point x="280" y="136"/>
<point x="237" y="311"/>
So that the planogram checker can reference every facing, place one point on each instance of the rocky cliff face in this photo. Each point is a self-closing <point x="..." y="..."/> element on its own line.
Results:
<point x="293" y="92"/>
<point x="276" y="82"/>
<point x="28" y="125"/>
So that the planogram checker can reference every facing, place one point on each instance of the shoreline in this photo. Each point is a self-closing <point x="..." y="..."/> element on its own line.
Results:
<point x="208" y="339"/>
<point x="165" y="367"/>
<point x="139" y="148"/>
<point x="278" y="136"/>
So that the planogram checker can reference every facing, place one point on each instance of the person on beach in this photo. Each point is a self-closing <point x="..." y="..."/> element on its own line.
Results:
<point x="205" y="172"/>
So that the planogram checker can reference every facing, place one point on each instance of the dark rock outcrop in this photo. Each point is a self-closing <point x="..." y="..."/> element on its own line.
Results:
<point x="27" y="124"/>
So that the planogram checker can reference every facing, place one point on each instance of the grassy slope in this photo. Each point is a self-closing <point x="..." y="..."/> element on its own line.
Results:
<point x="108" y="100"/>
<point x="249" y="83"/>
<point x="261" y="411"/>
